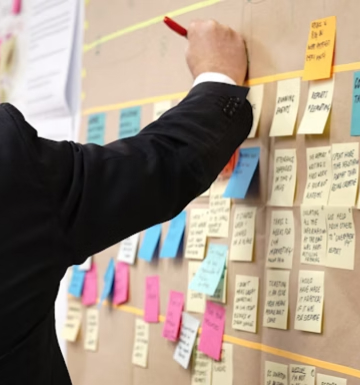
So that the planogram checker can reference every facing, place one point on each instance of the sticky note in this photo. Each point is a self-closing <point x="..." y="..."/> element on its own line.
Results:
<point x="219" y="211"/>
<point x="318" y="107"/>
<point x="195" y="302"/>
<point x="302" y="375"/>
<point x="286" y="107"/>
<point x="355" y="113"/>
<point x="221" y="290"/>
<point x="320" y="49"/>
<point x="160" y="108"/>
<point x="212" y="330"/>
<point x="222" y="371"/>
<point x="243" y="234"/>
<point x="73" y="321"/>
<point x="282" y="239"/>
<point x="96" y="129"/>
<point x="77" y="282"/>
<point x="121" y="283"/>
<point x="243" y="173"/>
<point x="276" y="373"/>
<point x="108" y="281"/>
<point x="319" y="176"/>
<point x="322" y="379"/>
<point x="313" y="235"/>
<point x="174" y="236"/>
<point x="90" y="289"/>
<point x="345" y="177"/>
<point x="150" y="243"/>
<point x="341" y="238"/>
<point x="284" y="178"/>
<point x="128" y="248"/>
<point x="130" y="120"/>
<point x="16" y="7"/>
<point x="141" y="344"/>
<point x="86" y="266"/>
<point x="152" y="300"/>
<point x="201" y="369"/>
<point x="174" y="311"/>
<point x="208" y="276"/>
<point x="245" y="303"/>
<point x="255" y="98"/>
<point x="196" y="240"/>
<point x="310" y="301"/>
<point x="92" y="330"/>
<point x="277" y="299"/>
<point x="188" y="334"/>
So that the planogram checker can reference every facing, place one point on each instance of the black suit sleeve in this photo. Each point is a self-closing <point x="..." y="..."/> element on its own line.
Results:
<point x="104" y="194"/>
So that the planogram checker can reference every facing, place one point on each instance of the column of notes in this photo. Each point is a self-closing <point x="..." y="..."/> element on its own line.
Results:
<point x="302" y="375"/>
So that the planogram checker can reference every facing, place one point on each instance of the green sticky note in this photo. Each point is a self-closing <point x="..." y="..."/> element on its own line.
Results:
<point x="96" y="129"/>
<point x="355" y="116"/>
<point x="130" y="119"/>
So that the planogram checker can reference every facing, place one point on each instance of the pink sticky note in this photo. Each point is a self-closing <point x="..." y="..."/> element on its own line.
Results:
<point x="212" y="330"/>
<point x="90" y="289"/>
<point x="152" y="302"/>
<point x="121" y="283"/>
<point x="16" y="8"/>
<point x="173" y="316"/>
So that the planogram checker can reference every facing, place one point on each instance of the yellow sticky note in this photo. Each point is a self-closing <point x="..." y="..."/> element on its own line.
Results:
<point x="310" y="301"/>
<point x="195" y="302"/>
<point x="255" y="98"/>
<point x="92" y="330"/>
<point x="245" y="303"/>
<point x="281" y="240"/>
<point x="341" y="238"/>
<point x="7" y="55"/>
<point x="313" y="235"/>
<point x="141" y="343"/>
<point x="201" y="368"/>
<point x="320" y="49"/>
<point x="302" y="375"/>
<point x="322" y="379"/>
<point x="277" y="299"/>
<point x="196" y="240"/>
<point x="345" y="174"/>
<point x="222" y="371"/>
<point x="318" y="107"/>
<point x="286" y="107"/>
<point x="319" y="176"/>
<point x="205" y="193"/>
<point x="284" y="178"/>
<point x="243" y="234"/>
<point x="160" y="108"/>
<point x="276" y="373"/>
<point x="73" y="322"/>
<point x="219" y="210"/>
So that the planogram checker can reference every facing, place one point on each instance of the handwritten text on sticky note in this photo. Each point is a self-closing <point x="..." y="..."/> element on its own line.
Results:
<point x="141" y="344"/>
<point x="121" y="283"/>
<point x="173" y="316"/>
<point x="195" y="302"/>
<point x="196" y="240"/>
<point x="152" y="301"/>
<point x="219" y="211"/>
<point x="302" y="375"/>
<point x="128" y="248"/>
<point x="130" y="119"/>
<point x="96" y="129"/>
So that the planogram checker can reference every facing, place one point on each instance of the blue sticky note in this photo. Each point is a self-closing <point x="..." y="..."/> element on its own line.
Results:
<point x="207" y="278"/>
<point x="242" y="175"/>
<point x="77" y="282"/>
<point x="174" y="236"/>
<point x="96" y="129"/>
<point x="355" y="116"/>
<point x="130" y="119"/>
<point x="108" y="281"/>
<point x="150" y="243"/>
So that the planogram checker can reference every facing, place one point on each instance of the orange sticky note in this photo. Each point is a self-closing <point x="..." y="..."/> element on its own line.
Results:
<point x="320" y="49"/>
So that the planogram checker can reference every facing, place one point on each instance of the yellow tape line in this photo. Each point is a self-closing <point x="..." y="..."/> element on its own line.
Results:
<point x="147" y="23"/>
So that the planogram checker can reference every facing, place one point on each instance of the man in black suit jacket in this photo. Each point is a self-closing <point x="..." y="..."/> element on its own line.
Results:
<point x="61" y="202"/>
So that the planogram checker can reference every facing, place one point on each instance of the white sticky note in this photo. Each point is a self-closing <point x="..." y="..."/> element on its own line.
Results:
<point x="322" y="379"/>
<point x="128" y="249"/>
<point x="92" y="330"/>
<point x="345" y="174"/>
<point x="341" y="238"/>
<point x="195" y="302"/>
<point x="141" y="343"/>
<point x="313" y="235"/>
<point x="284" y="178"/>
<point x="196" y="240"/>
<point x="310" y="301"/>
<point x="302" y="375"/>
<point x="286" y="107"/>
<point x="319" y="176"/>
<point x="255" y="98"/>
<point x="160" y="108"/>
<point x="86" y="266"/>
<point x="201" y="368"/>
<point x="276" y="373"/>
<point x="245" y="303"/>
<point x="219" y="210"/>
<point x="281" y="240"/>
<point x="318" y="107"/>
<point x="243" y="234"/>
<point x="188" y="335"/>
<point x="73" y="322"/>
<point x="222" y="371"/>
<point x="277" y="299"/>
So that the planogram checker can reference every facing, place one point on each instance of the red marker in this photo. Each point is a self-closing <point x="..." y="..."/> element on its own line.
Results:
<point x="175" y="26"/>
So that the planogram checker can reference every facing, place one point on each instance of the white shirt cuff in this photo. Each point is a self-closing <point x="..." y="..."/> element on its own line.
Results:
<point x="213" y="77"/>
